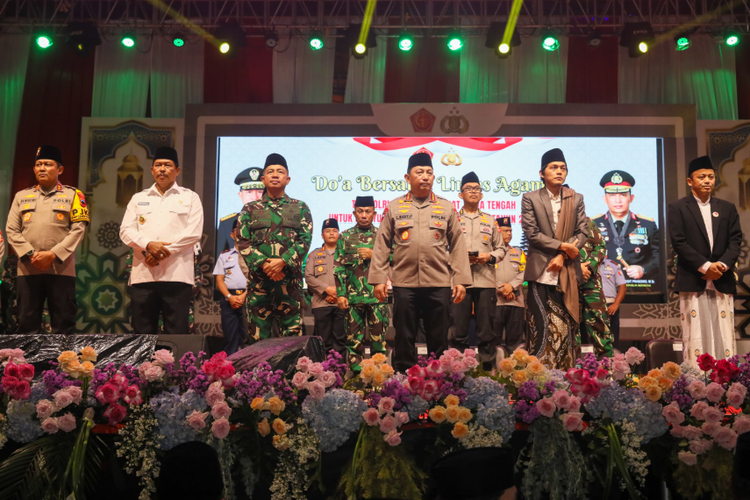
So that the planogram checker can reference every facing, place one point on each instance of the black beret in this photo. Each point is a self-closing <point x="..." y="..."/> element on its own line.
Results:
<point x="552" y="155"/>
<point x="419" y="160"/>
<point x="166" y="153"/>
<point x="503" y="221"/>
<point x="330" y="223"/>
<point x="275" y="159"/>
<point x="49" y="153"/>
<point x="474" y="473"/>
<point x="470" y="177"/>
<point x="617" y="181"/>
<point x="364" y="201"/>
<point x="699" y="164"/>
<point x="249" y="179"/>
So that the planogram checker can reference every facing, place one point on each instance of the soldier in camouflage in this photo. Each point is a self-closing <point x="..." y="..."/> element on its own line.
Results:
<point x="594" y="318"/>
<point x="352" y="261"/>
<point x="274" y="238"/>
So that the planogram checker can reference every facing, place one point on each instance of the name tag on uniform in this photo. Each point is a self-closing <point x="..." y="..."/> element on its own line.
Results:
<point x="422" y="350"/>
<point x="143" y="203"/>
<point x="677" y="346"/>
<point x="367" y="351"/>
<point x="587" y="349"/>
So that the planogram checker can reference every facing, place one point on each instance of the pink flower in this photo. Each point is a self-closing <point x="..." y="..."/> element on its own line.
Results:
<point x="386" y="405"/>
<point x="575" y="404"/>
<point x="402" y="417"/>
<point x="430" y="390"/>
<point x="303" y="364"/>
<point x="700" y="446"/>
<point x="75" y="392"/>
<point x="22" y="390"/>
<point x="434" y="368"/>
<point x="677" y="431"/>
<point x="209" y="367"/>
<point x="546" y="407"/>
<point x="633" y="356"/>
<point x="470" y="362"/>
<point x="620" y="368"/>
<point x="393" y="438"/>
<point x="601" y="374"/>
<point x="220" y="428"/>
<point x="726" y="438"/>
<point x="163" y="357"/>
<point x="45" y="408"/>
<point x="108" y="393"/>
<point x="561" y="400"/>
<point x="388" y="424"/>
<point x="328" y="378"/>
<point x="133" y="395"/>
<point x="741" y="424"/>
<point x="371" y="416"/>
<point x="9" y="382"/>
<point x="697" y="390"/>
<point x="470" y="353"/>
<point x="572" y="421"/>
<point x="26" y="372"/>
<point x="698" y="409"/>
<point x="221" y="410"/>
<point x="229" y="382"/>
<point x="713" y="415"/>
<point x="316" y="369"/>
<point x="453" y="353"/>
<point x="62" y="398"/>
<point x="300" y="380"/>
<point x="690" y="432"/>
<point x="710" y="428"/>
<point x="67" y="422"/>
<point x="50" y="425"/>
<point x="458" y="367"/>
<point x="197" y="420"/>
<point x="414" y="384"/>
<point x="119" y="380"/>
<point x="673" y="414"/>
<point x="215" y="393"/>
<point x="416" y="371"/>
<point x="735" y="399"/>
<point x="317" y="389"/>
<point x="225" y="372"/>
<point x="115" y="413"/>
<point x="687" y="458"/>
<point x="446" y="362"/>
<point x="150" y="372"/>
<point x="714" y="392"/>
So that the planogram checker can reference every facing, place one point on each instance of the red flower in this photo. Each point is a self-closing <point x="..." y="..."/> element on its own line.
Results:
<point x="115" y="413"/>
<point x="11" y="370"/>
<point x="22" y="390"/>
<point x="226" y="371"/>
<point x="724" y="372"/>
<point x="9" y="382"/>
<point x="706" y="362"/>
<point x="26" y="371"/>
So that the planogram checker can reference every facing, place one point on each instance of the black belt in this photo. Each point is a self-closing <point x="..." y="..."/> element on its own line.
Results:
<point x="236" y="291"/>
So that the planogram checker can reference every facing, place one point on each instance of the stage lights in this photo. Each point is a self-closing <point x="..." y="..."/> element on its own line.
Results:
<point x="681" y="42"/>
<point x="405" y="42"/>
<point x="128" y="40"/>
<point x="503" y="48"/>
<point x="731" y="38"/>
<point x="230" y="36"/>
<point x="82" y="37"/>
<point x="495" y="42"/>
<point x="224" y="47"/>
<point x="44" y="41"/>
<point x="351" y="39"/>
<point x="637" y="37"/>
<point x="455" y="42"/>
<point x="595" y="38"/>
<point x="178" y="39"/>
<point x="316" y="40"/>
<point x="550" y="41"/>
<point x="272" y="38"/>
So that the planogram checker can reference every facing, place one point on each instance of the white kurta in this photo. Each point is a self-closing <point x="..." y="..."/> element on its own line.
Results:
<point x="707" y="318"/>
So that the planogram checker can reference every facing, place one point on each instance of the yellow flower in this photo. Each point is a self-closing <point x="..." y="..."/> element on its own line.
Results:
<point x="521" y="356"/>
<point x="281" y="443"/>
<point x="279" y="426"/>
<point x="379" y="358"/>
<point x="437" y="414"/>
<point x="532" y="359"/>
<point x="275" y="405"/>
<point x="379" y="378"/>
<point x="506" y="366"/>
<point x="655" y="373"/>
<point x="387" y="370"/>
<point x="535" y="368"/>
<point x="464" y="415"/>
<point x="452" y="400"/>
<point x="519" y="377"/>
<point x="88" y="354"/>
<point x="368" y="371"/>
<point x="366" y="362"/>
<point x="451" y="413"/>
<point x="66" y="357"/>
<point x="665" y="383"/>
<point x="88" y="368"/>
<point x="671" y="370"/>
<point x="653" y="393"/>
<point x="258" y="404"/>
<point x="73" y="368"/>
<point x="460" y="430"/>
<point x="263" y="428"/>
<point x="646" y="382"/>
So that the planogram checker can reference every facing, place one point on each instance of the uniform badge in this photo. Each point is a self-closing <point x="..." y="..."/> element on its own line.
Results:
<point x="637" y="249"/>
<point x="438" y="212"/>
<point x="320" y="269"/>
<point x="320" y="261"/>
<point x="27" y="217"/>
<point x="437" y="235"/>
<point x="404" y="235"/>
<point x="60" y="216"/>
<point x="141" y="219"/>
<point x="715" y="214"/>
<point x="320" y="253"/>
<point x="179" y="202"/>
<point x="26" y="206"/>
<point x="404" y="211"/>
<point x="486" y="238"/>
<point x="229" y="272"/>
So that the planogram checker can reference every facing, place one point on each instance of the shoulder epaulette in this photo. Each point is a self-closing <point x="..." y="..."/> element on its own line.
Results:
<point x="644" y="217"/>
<point x="597" y="216"/>
<point x="229" y="216"/>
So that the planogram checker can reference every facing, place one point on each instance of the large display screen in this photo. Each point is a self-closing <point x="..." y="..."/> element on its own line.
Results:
<point x="328" y="173"/>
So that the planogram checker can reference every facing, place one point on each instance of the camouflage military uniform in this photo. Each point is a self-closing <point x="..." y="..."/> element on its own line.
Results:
<point x="275" y="229"/>
<point x="594" y="318"/>
<point x="351" y="282"/>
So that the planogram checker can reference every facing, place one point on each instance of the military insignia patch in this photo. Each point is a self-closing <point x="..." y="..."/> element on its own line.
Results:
<point x="405" y="235"/>
<point x="637" y="249"/>
<point x="26" y="206"/>
<point x="27" y="217"/>
<point x="437" y="235"/>
<point x="141" y="219"/>
<point x="60" y="216"/>
<point x="229" y="272"/>
<point x="486" y="238"/>
<point x="320" y="269"/>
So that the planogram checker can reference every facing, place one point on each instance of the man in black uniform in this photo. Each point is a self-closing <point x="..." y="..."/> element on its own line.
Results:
<point x="632" y="239"/>
<point x="251" y="189"/>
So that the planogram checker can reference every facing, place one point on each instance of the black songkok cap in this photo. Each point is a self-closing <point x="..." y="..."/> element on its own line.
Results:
<point x="419" y="160"/>
<point x="275" y="159"/>
<point x="364" y="201"/>
<point x="329" y="223"/>
<point x="470" y="177"/>
<point x="167" y="153"/>
<point x="552" y="155"/>
<point x="503" y="221"/>
<point x="49" y="153"/>
<point x="700" y="163"/>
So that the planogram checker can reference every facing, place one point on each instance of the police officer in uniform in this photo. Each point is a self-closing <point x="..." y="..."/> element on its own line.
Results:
<point x="251" y="189"/>
<point x="232" y="285"/>
<point x="632" y="239"/>
<point x="430" y="263"/>
<point x="45" y="225"/>
<point x="510" y="310"/>
<point x="485" y="247"/>
<point x="321" y="281"/>
<point x="614" y="288"/>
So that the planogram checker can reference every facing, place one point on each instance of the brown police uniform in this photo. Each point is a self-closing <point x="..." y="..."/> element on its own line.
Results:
<point x="329" y="319"/>
<point x="54" y="221"/>
<point x="510" y="314"/>
<point x="429" y="256"/>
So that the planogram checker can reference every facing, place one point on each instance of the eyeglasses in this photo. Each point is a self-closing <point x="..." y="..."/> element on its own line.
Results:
<point x="473" y="190"/>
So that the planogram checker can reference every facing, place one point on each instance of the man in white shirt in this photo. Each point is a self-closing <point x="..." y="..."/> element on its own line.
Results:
<point x="162" y="224"/>
<point x="706" y="236"/>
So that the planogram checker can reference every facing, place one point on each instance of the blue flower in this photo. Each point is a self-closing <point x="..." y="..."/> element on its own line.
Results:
<point x="334" y="418"/>
<point x="417" y="407"/>
<point x="171" y="410"/>
<point x="496" y="414"/>
<point x="619" y="403"/>
<point x="23" y="426"/>
<point x="481" y="390"/>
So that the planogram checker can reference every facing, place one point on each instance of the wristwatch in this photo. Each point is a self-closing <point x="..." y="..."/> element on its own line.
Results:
<point x="228" y="296"/>
<point x="492" y="260"/>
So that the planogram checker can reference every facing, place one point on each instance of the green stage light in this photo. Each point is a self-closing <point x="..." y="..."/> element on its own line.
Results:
<point x="178" y="39"/>
<point x="405" y="42"/>
<point x="316" y="40"/>
<point x="44" y="41"/>
<point x="550" y="42"/>
<point x="455" y="42"/>
<point x="731" y="39"/>
<point x="128" y="40"/>
<point x="224" y="47"/>
<point x="682" y="42"/>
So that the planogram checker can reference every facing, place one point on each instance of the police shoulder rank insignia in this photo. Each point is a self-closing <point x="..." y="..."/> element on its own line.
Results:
<point x="141" y="219"/>
<point x="222" y="219"/>
<point x="650" y="219"/>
